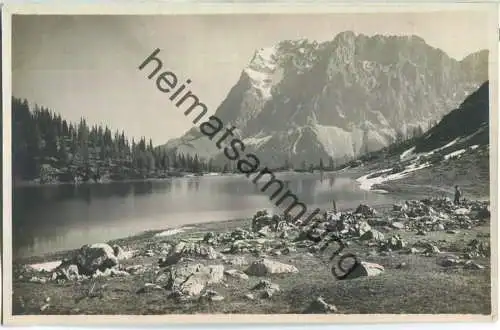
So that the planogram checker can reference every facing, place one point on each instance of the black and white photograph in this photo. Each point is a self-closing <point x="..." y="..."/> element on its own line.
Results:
<point x="240" y="162"/>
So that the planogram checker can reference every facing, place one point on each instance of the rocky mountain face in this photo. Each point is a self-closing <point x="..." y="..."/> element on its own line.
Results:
<point x="304" y="101"/>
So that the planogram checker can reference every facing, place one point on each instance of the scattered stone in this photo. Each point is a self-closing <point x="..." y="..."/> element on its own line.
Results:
<point x="288" y="250"/>
<point x="320" y="306"/>
<point x="398" y="225"/>
<point x="119" y="253"/>
<point x="237" y="261"/>
<point x="275" y="252"/>
<point x="469" y="264"/>
<point x="212" y="296"/>
<point x="414" y="250"/>
<point x="135" y="269"/>
<point x="449" y="261"/>
<point x="211" y="238"/>
<point x="149" y="287"/>
<point x="66" y="271"/>
<point x="402" y="265"/>
<point x="365" y="210"/>
<point x="36" y="279"/>
<point x="110" y="272"/>
<point x="462" y="211"/>
<point x="439" y="227"/>
<point x="91" y="258"/>
<point x="269" y="289"/>
<point x="363" y="227"/>
<point x="394" y="243"/>
<point x="191" y="279"/>
<point x="264" y="231"/>
<point x="236" y="274"/>
<point x="365" y="269"/>
<point x="265" y="267"/>
<point x="249" y="296"/>
<point x="483" y="214"/>
<point x="262" y="219"/>
<point x="372" y="235"/>
<point x="149" y="253"/>
<point x="431" y="249"/>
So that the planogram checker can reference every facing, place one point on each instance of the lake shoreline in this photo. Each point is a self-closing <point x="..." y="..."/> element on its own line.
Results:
<point x="136" y="286"/>
<point x="34" y="183"/>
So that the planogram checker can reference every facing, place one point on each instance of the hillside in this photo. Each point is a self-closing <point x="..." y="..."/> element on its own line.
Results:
<point x="302" y="100"/>
<point x="453" y="152"/>
<point x="48" y="149"/>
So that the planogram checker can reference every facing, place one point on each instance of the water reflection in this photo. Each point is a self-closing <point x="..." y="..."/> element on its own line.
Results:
<point x="51" y="218"/>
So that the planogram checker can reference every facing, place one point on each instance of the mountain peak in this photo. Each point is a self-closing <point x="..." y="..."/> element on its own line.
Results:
<point x="304" y="100"/>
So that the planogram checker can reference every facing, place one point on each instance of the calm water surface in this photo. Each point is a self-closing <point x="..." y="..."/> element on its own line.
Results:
<point x="53" y="218"/>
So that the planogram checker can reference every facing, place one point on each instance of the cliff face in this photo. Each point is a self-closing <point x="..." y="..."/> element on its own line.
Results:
<point x="302" y="100"/>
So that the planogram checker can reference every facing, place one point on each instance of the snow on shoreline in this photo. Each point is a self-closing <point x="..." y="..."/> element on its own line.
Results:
<point x="406" y="153"/>
<point x="46" y="266"/>
<point x="367" y="183"/>
<point x="454" y="154"/>
<point x="173" y="231"/>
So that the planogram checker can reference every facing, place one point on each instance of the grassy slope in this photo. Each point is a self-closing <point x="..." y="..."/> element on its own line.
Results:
<point x="420" y="287"/>
<point x="471" y="172"/>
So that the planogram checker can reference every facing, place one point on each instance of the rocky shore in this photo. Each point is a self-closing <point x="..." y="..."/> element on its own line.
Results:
<point x="419" y="256"/>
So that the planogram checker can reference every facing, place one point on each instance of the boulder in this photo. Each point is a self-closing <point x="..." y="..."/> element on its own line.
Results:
<point x="365" y="210"/>
<point x="264" y="231"/>
<point x="483" y="214"/>
<point x="462" y="211"/>
<point x="236" y="274"/>
<point x="262" y="219"/>
<point x="191" y="279"/>
<point x="398" y="225"/>
<point x="212" y="295"/>
<point x="269" y="289"/>
<point x="449" y="261"/>
<point x="119" y="253"/>
<point x="395" y="243"/>
<point x="365" y="269"/>
<point x="362" y="228"/>
<point x="372" y="235"/>
<point x="188" y="250"/>
<point x="320" y="306"/>
<point x="316" y="234"/>
<point x="66" y="271"/>
<point x="91" y="258"/>
<point x="264" y="267"/>
<point x="469" y="264"/>
<point x="110" y="272"/>
<point x="211" y="238"/>
<point x="400" y="207"/>
<point x="237" y="261"/>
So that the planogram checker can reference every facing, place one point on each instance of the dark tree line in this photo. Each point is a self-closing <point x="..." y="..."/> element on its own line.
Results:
<point x="47" y="147"/>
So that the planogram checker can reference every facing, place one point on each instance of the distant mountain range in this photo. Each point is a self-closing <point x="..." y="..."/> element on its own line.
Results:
<point x="300" y="100"/>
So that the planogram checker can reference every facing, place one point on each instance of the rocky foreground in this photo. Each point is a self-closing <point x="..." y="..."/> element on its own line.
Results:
<point x="426" y="256"/>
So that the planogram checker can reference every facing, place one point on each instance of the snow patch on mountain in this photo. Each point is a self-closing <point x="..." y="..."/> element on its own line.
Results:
<point x="262" y="71"/>
<point x="257" y="140"/>
<point x="335" y="140"/>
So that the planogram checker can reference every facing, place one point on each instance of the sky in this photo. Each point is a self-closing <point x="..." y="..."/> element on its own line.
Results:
<point x="88" y="65"/>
